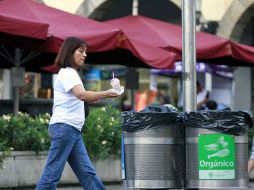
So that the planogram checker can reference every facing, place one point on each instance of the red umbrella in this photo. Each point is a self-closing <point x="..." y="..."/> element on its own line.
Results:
<point x="60" y="25"/>
<point x="152" y="56"/>
<point x="114" y="48"/>
<point x="168" y="36"/>
<point x="130" y="53"/>
<point x="21" y="23"/>
<point x="243" y="52"/>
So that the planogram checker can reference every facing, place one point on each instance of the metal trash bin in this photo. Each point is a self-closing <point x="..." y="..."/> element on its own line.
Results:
<point x="214" y="158"/>
<point x="241" y="179"/>
<point x="154" y="158"/>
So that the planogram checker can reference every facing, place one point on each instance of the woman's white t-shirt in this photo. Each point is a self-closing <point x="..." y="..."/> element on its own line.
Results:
<point x="67" y="108"/>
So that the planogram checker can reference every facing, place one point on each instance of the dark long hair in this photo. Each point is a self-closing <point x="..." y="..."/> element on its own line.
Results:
<point x="65" y="55"/>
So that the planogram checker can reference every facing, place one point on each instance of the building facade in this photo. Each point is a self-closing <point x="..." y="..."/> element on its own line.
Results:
<point x="233" y="19"/>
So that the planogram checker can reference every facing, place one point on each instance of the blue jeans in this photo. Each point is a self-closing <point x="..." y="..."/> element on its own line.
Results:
<point x="67" y="145"/>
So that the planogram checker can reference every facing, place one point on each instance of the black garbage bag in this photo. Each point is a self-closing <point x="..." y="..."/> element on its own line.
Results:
<point x="223" y="121"/>
<point x="167" y="108"/>
<point x="150" y="117"/>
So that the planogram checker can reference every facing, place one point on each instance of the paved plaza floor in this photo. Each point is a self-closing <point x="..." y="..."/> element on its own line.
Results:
<point x="119" y="186"/>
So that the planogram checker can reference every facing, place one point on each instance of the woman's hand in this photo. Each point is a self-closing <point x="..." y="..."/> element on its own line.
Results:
<point x="111" y="93"/>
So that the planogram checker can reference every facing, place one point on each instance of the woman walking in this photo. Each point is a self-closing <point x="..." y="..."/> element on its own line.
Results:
<point x="68" y="118"/>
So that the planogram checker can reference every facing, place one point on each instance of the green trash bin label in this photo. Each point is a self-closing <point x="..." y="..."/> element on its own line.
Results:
<point x="216" y="156"/>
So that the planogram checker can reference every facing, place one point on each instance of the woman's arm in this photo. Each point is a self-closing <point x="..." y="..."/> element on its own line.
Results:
<point x="92" y="96"/>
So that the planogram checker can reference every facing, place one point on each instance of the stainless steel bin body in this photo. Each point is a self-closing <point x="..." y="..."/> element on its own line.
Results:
<point x="154" y="158"/>
<point x="241" y="160"/>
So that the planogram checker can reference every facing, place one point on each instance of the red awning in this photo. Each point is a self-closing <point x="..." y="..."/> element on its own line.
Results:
<point x="21" y="22"/>
<point x="58" y="25"/>
<point x="102" y="38"/>
<point x="209" y="48"/>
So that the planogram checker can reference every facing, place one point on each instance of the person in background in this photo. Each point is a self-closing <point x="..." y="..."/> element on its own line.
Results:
<point x="211" y="105"/>
<point x="68" y="118"/>
<point x="141" y="99"/>
<point x="164" y="98"/>
<point x="202" y="96"/>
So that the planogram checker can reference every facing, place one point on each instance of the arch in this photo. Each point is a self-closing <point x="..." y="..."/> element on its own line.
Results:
<point x="108" y="9"/>
<point x="235" y="25"/>
<point x="88" y="7"/>
<point x="235" y="20"/>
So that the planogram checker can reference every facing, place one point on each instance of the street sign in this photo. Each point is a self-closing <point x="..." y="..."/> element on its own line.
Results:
<point x="216" y="156"/>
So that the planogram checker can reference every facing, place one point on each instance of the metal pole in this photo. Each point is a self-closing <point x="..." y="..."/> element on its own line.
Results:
<point x="189" y="55"/>
<point x="134" y="13"/>
<point x="15" y="100"/>
<point x="17" y="56"/>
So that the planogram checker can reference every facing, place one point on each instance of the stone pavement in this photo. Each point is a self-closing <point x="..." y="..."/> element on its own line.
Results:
<point x="109" y="187"/>
<point x="119" y="186"/>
